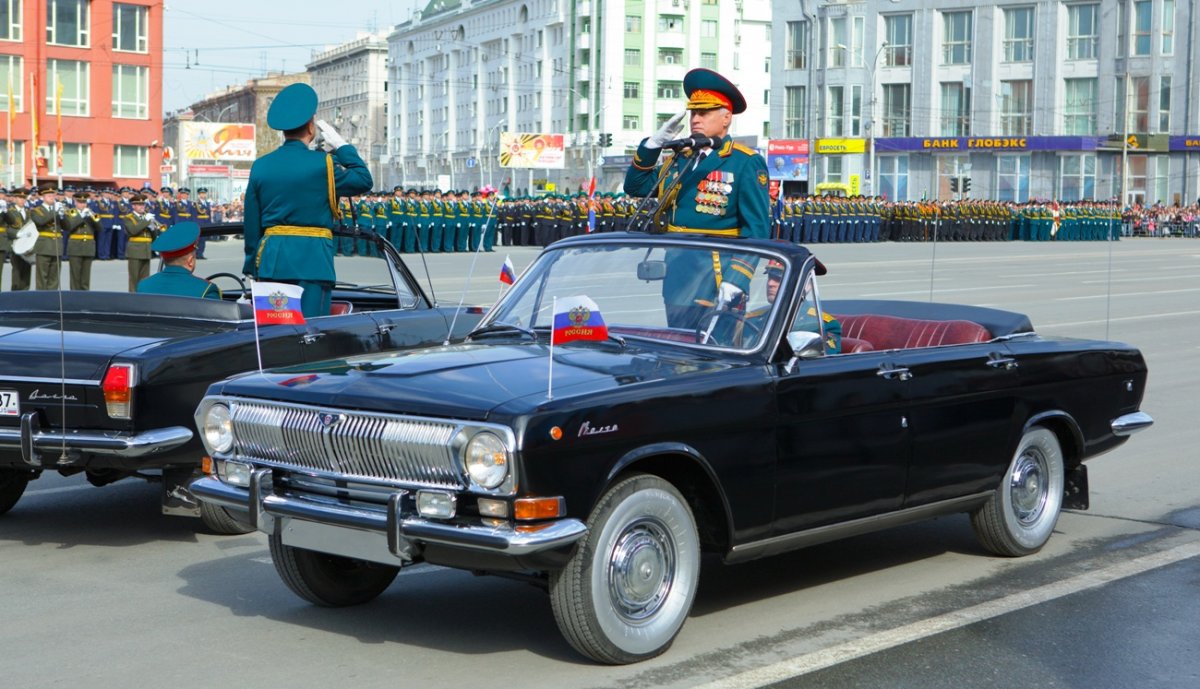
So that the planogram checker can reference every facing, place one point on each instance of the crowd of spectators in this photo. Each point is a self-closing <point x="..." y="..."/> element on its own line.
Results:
<point x="1159" y="220"/>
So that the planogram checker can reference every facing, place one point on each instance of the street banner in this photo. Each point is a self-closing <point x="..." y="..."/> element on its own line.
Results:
<point x="532" y="150"/>
<point x="218" y="141"/>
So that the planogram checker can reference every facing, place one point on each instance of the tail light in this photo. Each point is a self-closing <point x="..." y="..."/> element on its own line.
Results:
<point x="118" y="391"/>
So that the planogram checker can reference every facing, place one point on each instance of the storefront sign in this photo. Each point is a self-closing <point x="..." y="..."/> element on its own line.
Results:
<point x="1191" y="142"/>
<point x="218" y="141"/>
<point x="837" y="146"/>
<point x="967" y="144"/>
<point x="787" y="159"/>
<point x="209" y="170"/>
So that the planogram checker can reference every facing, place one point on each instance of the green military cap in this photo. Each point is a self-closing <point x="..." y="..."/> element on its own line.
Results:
<point x="292" y="108"/>
<point x="707" y="90"/>
<point x="178" y="240"/>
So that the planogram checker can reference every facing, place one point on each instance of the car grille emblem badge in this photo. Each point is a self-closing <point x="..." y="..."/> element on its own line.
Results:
<point x="329" y="419"/>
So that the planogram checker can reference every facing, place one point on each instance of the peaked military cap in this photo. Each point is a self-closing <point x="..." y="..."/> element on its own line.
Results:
<point x="178" y="240"/>
<point x="292" y="108"/>
<point x="707" y="90"/>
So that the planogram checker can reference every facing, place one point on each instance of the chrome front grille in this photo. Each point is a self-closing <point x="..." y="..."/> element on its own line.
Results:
<point x="394" y="449"/>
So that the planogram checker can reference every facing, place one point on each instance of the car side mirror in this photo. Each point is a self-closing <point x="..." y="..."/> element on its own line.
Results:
<point x="652" y="271"/>
<point x="806" y="344"/>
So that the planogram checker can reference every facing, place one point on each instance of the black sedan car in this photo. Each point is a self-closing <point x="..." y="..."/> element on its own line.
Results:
<point x="602" y="467"/>
<point x="106" y="383"/>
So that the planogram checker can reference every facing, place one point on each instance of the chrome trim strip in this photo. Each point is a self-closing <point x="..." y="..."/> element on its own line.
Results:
<point x="1128" y="424"/>
<point x="100" y="442"/>
<point x="833" y="532"/>
<point x="58" y="381"/>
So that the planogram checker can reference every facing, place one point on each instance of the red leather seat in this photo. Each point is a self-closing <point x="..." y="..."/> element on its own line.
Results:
<point x="891" y="332"/>
<point x="340" y="308"/>
<point x="851" y="345"/>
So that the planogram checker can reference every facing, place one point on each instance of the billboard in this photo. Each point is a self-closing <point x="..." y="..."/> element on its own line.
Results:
<point x="218" y="141"/>
<point x="787" y="159"/>
<point x="532" y="150"/>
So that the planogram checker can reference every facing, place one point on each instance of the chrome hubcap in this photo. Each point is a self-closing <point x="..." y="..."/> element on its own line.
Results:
<point x="1027" y="486"/>
<point x="641" y="569"/>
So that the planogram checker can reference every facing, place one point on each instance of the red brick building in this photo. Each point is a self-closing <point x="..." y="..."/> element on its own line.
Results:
<point x="107" y="56"/>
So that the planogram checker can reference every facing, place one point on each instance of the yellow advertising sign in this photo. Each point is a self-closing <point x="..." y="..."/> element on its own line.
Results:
<point x="837" y="146"/>
<point x="855" y="185"/>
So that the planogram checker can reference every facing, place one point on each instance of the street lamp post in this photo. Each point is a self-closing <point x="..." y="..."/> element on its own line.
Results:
<point x="871" y="124"/>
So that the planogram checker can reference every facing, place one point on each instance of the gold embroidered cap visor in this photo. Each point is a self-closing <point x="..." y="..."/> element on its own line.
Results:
<point x="707" y="90"/>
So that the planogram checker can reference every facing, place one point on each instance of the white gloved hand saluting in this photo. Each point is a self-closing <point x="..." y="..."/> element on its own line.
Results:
<point x="667" y="132"/>
<point x="729" y="295"/>
<point x="331" y="140"/>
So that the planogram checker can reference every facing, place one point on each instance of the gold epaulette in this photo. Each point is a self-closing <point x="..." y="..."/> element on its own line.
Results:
<point x="744" y="149"/>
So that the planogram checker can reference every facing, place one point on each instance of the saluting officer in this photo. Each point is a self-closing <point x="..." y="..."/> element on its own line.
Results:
<point x="81" y="226"/>
<point x="178" y="249"/>
<point x="140" y="225"/>
<point x="45" y="213"/>
<point x="291" y="200"/>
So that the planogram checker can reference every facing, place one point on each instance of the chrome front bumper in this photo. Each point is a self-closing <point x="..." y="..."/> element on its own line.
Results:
<point x="385" y="535"/>
<point x="32" y="441"/>
<point x="1128" y="424"/>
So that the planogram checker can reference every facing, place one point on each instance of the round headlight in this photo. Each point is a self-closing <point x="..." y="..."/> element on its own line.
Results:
<point x="218" y="428"/>
<point x="487" y="460"/>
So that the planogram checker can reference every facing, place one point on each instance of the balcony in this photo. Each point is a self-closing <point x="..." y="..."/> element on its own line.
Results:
<point x="583" y="41"/>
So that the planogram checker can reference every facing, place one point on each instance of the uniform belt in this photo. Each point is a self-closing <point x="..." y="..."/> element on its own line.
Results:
<point x="298" y="231"/>
<point x="52" y="235"/>
<point x="731" y="232"/>
<point x="140" y="238"/>
<point x="82" y="236"/>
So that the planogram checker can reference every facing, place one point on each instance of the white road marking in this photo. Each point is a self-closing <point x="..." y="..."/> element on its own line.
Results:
<point x="943" y="290"/>
<point x="875" y="643"/>
<point x="1145" y="316"/>
<point x="1130" y="294"/>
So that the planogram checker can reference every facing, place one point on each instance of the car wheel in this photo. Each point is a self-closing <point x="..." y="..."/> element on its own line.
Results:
<point x="12" y="487"/>
<point x="330" y="581"/>
<point x="1020" y="516"/>
<point x="630" y="585"/>
<point x="221" y="521"/>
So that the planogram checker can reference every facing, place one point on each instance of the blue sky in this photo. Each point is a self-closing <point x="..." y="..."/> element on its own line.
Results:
<point x="214" y="43"/>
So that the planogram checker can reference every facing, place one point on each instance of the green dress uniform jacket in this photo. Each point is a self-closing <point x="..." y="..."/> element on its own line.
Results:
<point x="81" y="230"/>
<point x="178" y="281"/>
<point x="137" y="251"/>
<point x="48" y="248"/>
<point x="289" y="218"/>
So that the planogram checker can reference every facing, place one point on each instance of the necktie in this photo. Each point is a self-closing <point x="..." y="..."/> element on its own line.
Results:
<point x="701" y="157"/>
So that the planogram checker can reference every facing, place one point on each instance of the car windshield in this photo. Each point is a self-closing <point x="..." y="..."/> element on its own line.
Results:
<point x="699" y="295"/>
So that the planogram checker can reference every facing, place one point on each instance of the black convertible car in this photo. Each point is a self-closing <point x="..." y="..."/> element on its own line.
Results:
<point x="106" y="383"/>
<point x="601" y="468"/>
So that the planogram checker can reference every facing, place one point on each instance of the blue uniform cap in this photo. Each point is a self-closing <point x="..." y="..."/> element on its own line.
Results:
<point x="178" y="240"/>
<point x="292" y="108"/>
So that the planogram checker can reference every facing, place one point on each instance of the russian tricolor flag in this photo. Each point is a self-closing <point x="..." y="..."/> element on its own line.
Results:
<point x="277" y="303"/>
<point x="508" y="274"/>
<point x="577" y="318"/>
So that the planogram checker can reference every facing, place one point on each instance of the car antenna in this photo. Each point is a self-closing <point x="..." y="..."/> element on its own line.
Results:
<point x="937" y="222"/>
<point x="471" y="271"/>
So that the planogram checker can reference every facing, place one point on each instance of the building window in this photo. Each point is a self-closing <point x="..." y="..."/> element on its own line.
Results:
<point x="1012" y="178"/>
<point x="1138" y="101"/>
<point x="793" y="117"/>
<point x="633" y="57"/>
<point x="10" y="20"/>
<point x="856" y="98"/>
<point x="12" y="71"/>
<point x="670" y="56"/>
<point x="670" y="23"/>
<point x="897" y="29"/>
<point x="76" y="159"/>
<point x="633" y="89"/>
<point x="893" y="177"/>
<point x="131" y="161"/>
<point x="131" y="92"/>
<point x="708" y="29"/>
<point x="834" y="168"/>
<point x="67" y="22"/>
<point x="956" y="38"/>
<point x="18" y="161"/>
<point x="1077" y="177"/>
<point x="631" y="122"/>
<point x="633" y="23"/>
<point x="1079" y="106"/>
<point x="670" y="89"/>
<point x="956" y="109"/>
<point x="796" y="55"/>
<point x="857" y="41"/>
<point x="1016" y="107"/>
<point x="836" y="123"/>
<point x="708" y="60"/>
<point x="130" y="28"/>
<point x="839" y="42"/>
<point x="948" y="168"/>
<point x="1081" y="31"/>
<point x="73" y="76"/>
<point x="1018" y="34"/>
<point x="897" y="110"/>
<point x="1164" y="105"/>
<point x="1141" y="26"/>
<point x="1168" y="27"/>
<point x="1162" y="178"/>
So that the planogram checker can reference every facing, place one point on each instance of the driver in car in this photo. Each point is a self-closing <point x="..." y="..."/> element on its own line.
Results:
<point x="756" y="319"/>
<point x="178" y="248"/>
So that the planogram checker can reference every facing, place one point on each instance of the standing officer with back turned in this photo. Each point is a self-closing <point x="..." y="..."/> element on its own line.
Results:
<point x="291" y="200"/>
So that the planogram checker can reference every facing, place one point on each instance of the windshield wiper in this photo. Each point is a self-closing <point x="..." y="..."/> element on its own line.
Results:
<point x="501" y="327"/>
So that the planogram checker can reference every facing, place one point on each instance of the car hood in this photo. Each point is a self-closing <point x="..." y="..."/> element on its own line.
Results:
<point x="469" y="381"/>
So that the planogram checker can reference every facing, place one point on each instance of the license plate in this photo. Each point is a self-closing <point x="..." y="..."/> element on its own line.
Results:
<point x="10" y="404"/>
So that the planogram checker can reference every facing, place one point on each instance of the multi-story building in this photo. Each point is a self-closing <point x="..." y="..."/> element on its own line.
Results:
<point x="351" y="85"/>
<point x="462" y="73"/>
<point x="88" y="74"/>
<point x="1013" y="99"/>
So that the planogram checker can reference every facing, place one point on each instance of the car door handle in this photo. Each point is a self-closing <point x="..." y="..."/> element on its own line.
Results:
<point x="893" y="373"/>
<point x="1005" y="362"/>
<point x="385" y="328"/>
<point x="311" y="338"/>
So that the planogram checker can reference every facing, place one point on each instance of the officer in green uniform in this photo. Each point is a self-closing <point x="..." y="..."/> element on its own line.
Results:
<point x="46" y="214"/>
<point x="724" y="193"/>
<point x="178" y="249"/>
<point x="291" y="200"/>
<point x="141" y="225"/>
<point x="81" y="226"/>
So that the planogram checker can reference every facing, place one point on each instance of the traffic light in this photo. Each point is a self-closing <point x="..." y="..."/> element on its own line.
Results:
<point x="605" y="140"/>
<point x="953" y="184"/>
<point x="966" y="184"/>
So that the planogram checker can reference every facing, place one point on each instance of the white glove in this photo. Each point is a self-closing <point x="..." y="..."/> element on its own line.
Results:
<point x="667" y="132"/>
<point x="729" y="293"/>
<point x="332" y="141"/>
<point x="148" y="216"/>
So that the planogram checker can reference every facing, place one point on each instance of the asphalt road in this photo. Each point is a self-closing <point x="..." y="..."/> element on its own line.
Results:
<point x="100" y="590"/>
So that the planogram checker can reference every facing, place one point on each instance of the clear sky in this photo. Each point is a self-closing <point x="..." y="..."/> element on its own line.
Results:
<point x="210" y="44"/>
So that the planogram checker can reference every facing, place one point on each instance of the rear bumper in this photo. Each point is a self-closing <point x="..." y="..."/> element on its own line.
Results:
<point x="1128" y="424"/>
<point x="32" y="442"/>
<point x="386" y="534"/>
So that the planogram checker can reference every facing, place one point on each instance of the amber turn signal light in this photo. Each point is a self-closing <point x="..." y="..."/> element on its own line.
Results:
<point x="526" y="509"/>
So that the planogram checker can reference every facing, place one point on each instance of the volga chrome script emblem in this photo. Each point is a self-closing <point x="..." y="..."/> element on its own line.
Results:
<point x="39" y="395"/>
<point x="329" y="419"/>
<point x="587" y="429"/>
